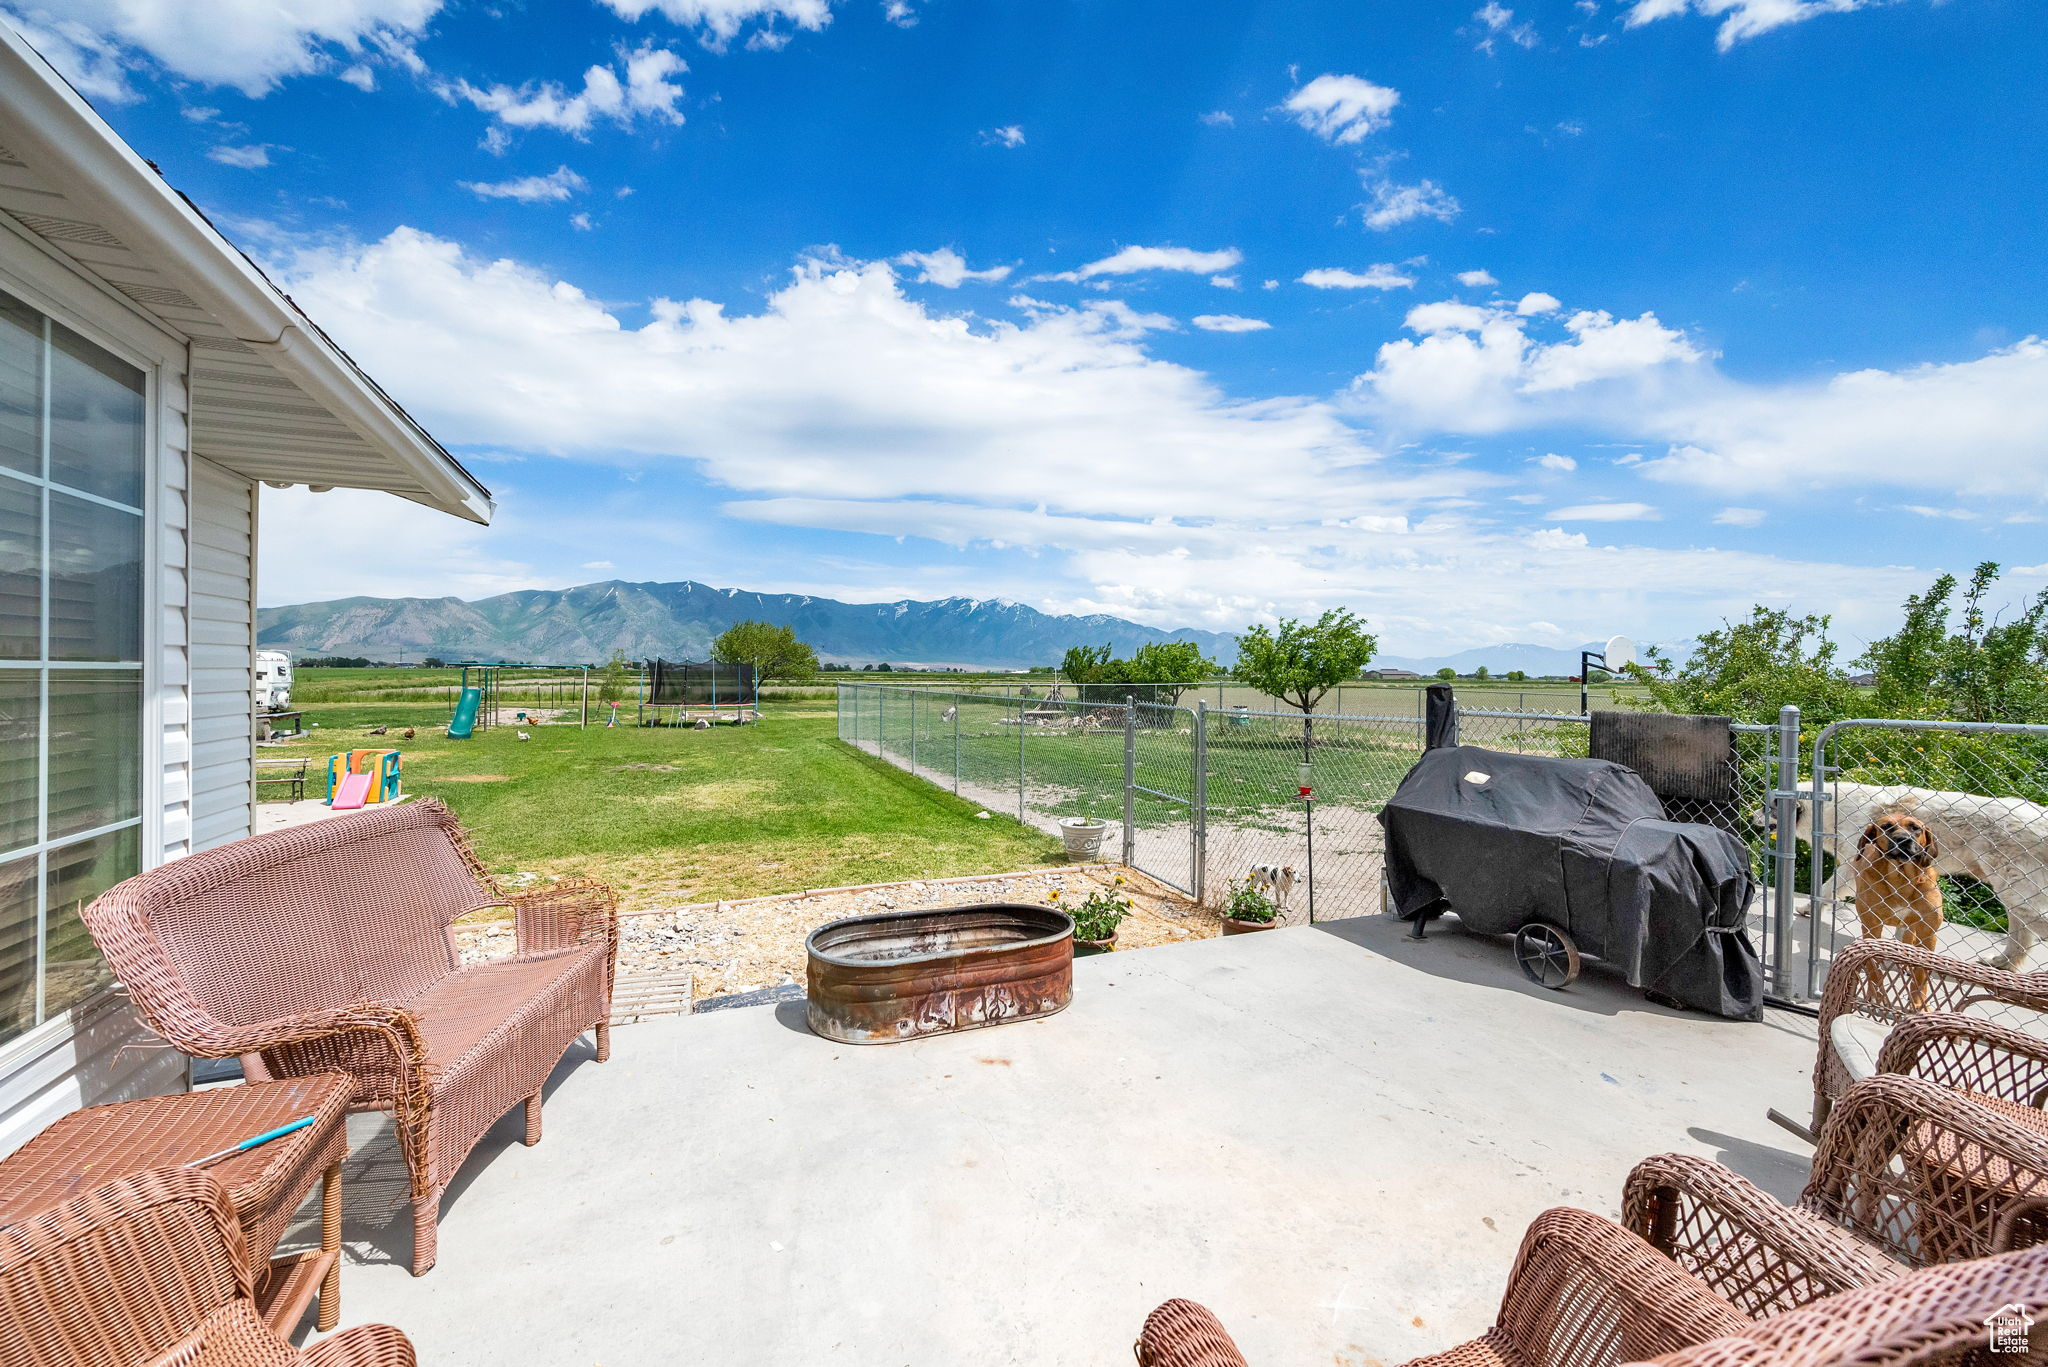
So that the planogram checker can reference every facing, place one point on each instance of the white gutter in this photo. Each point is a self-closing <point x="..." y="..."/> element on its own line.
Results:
<point x="62" y="137"/>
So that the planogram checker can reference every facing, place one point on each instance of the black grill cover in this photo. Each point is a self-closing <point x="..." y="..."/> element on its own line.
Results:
<point x="1582" y="844"/>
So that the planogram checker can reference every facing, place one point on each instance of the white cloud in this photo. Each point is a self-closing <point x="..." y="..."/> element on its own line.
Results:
<point x="1741" y="19"/>
<point x="1393" y="204"/>
<point x="648" y="90"/>
<point x="899" y="13"/>
<point x="1971" y="429"/>
<point x="1553" y="461"/>
<point x="1219" y="118"/>
<point x="1376" y="277"/>
<point x="720" y="21"/>
<point x="598" y="565"/>
<point x="1009" y="135"/>
<point x="1122" y="475"/>
<point x="947" y="269"/>
<point x="200" y="113"/>
<point x="1223" y="282"/>
<point x="1132" y="260"/>
<point x="1535" y="302"/>
<point x="250" y="45"/>
<point x="1475" y="368"/>
<point x="1606" y="512"/>
<point x="582" y="223"/>
<point x="1476" y="279"/>
<point x="556" y="185"/>
<point x="1526" y="498"/>
<point x="248" y="158"/>
<point x="1739" y="517"/>
<point x="1501" y="27"/>
<point x="1342" y="109"/>
<point x="1228" y="322"/>
<point x="427" y="550"/>
<point x="360" y="76"/>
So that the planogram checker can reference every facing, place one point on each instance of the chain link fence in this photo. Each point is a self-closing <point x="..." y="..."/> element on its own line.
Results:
<point x="1203" y="797"/>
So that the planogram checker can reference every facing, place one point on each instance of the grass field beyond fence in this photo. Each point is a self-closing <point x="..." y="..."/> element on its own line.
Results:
<point x="676" y="815"/>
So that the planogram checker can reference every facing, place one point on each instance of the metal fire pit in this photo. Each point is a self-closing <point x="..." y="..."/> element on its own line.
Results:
<point x="902" y="975"/>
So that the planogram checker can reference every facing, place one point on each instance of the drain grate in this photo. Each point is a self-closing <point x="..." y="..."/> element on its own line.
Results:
<point x="665" y="992"/>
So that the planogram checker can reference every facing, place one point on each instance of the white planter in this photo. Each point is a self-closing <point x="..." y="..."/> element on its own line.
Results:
<point x="1084" y="836"/>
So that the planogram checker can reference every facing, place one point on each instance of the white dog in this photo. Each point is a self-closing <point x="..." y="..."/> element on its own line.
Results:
<point x="1276" y="879"/>
<point x="2000" y="841"/>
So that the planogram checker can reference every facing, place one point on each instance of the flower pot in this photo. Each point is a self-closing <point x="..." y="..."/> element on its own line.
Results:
<point x="1083" y="948"/>
<point x="1233" y="926"/>
<point x="1083" y="836"/>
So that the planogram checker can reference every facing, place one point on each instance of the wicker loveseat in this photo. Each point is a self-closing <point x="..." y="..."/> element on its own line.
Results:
<point x="326" y="948"/>
<point x="152" y="1269"/>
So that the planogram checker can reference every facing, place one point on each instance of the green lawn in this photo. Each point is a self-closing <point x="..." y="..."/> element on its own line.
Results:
<point x="674" y="815"/>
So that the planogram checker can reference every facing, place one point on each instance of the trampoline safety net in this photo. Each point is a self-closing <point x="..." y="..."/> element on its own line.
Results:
<point x="698" y="683"/>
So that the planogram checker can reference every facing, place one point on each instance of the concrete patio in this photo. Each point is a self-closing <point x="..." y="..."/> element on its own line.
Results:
<point x="1333" y="1135"/>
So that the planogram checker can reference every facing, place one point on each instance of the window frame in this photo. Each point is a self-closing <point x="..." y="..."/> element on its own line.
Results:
<point x="62" y="294"/>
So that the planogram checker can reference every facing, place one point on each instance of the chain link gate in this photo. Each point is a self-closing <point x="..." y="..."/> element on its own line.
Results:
<point x="1980" y="790"/>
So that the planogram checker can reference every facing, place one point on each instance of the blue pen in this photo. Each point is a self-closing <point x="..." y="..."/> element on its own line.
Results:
<point x="252" y="1141"/>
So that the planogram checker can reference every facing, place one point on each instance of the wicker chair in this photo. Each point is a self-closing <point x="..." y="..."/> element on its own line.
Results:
<point x="152" y="1270"/>
<point x="1907" y="1174"/>
<point x="325" y="948"/>
<point x="1584" y="1292"/>
<point x="1935" y="1317"/>
<point x="1874" y="984"/>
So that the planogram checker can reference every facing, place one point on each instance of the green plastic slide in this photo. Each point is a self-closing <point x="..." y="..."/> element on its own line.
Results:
<point x="464" y="720"/>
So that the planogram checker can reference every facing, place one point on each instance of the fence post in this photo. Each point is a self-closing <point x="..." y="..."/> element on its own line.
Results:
<point x="1785" y="849"/>
<point x="913" y="732"/>
<point x="1201" y="800"/>
<point x="957" y="698"/>
<point x="1021" y="723"/>
<point x="1130" y="777"/>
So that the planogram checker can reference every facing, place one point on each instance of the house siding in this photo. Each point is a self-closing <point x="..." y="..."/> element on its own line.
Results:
<point x="220" y="618"/>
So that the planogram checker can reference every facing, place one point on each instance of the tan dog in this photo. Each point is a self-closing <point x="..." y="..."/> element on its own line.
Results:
<point x="1896" y="885"/>
<point x="1895" y="880"/>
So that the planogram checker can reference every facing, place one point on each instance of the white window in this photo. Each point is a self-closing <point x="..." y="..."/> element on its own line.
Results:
<point x="73" y="434"/>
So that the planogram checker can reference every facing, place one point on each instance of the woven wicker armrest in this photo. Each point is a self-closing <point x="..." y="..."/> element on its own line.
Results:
<point x="210" y="1038"/>
<point x="1969" y="1054"/>
<point x="1580" y="1280"/>
<point x="1182" y="1333"/>
<point x="1891" y="980"/>
<point x="576" y="911"/>
<point x="1750" y="1247"/>
<point x="366" y="1345"/>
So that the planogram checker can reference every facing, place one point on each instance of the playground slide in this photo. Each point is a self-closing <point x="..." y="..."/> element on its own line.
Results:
<point x="352" y="792"/>
<point x="464" y="720"/>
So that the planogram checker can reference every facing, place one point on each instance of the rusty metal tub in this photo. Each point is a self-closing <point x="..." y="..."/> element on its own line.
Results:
<point x="903" y="975"/>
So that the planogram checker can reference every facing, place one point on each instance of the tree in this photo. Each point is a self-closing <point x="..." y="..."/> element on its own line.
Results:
<point x="774" y="652"/>
<point x="433" y="662"/>
<point x="1301" y="662"/>
<point x="1517" y="676"/>
<point x="1977" y="670"/>
<point x="1482" y="674"/>
<point x="1447" y="674"/>
<point x="1749" y="669"/>
<point x="612" y="679"/>
<point x="1157" y="672"/>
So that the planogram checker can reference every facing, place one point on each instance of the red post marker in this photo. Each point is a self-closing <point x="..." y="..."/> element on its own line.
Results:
<point x="1307" y="791"/>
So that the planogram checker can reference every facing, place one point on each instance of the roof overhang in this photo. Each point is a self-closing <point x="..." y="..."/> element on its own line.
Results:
<point x="272" y="396"/>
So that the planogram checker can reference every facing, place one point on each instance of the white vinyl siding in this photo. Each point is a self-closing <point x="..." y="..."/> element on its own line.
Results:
<point x="220" y="623"/>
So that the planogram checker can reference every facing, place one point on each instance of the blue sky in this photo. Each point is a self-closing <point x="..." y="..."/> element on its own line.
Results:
<point x="1525" y="324"/>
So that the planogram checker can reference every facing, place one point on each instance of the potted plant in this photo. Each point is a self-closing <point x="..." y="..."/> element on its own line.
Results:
<point x="1083" y="836"/>
<point x="1248" y="908"/>
<point x="1096" y="918"/>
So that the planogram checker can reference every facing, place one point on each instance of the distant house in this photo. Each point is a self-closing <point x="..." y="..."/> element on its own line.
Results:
<point x="1391" y="674"/>
<point x="1863" y="680"/>
<point x="150" y="377"/>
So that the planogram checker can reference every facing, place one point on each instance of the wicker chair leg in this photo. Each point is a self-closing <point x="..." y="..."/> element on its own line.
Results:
<point x="533" y="1120"/>
<point x="426" y="1215"/>
<point x="604" y="1040"/>
<point x="330" y="1241"/>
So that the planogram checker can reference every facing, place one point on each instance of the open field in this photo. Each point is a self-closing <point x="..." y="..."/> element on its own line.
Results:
<point x="671" y="816"/>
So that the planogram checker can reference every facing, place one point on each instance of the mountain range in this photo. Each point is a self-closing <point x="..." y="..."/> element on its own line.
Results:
<point x="680" y="621"/>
